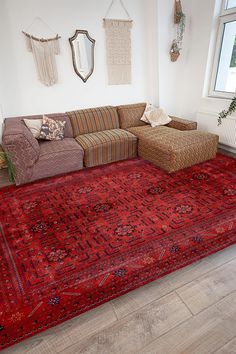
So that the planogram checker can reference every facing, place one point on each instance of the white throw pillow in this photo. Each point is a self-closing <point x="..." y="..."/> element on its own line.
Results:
<point x="148" y="108"/>
<point x="155" y="116"/>
<point x="34" y="126"/>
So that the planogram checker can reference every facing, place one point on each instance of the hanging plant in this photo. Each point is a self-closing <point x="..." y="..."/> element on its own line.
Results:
<point x="178" y="11"/>
<point x="174" y="51"/>
<point x="181" y="29"/>
<point x="223" y="114"/>
<point x="180" y="20"/>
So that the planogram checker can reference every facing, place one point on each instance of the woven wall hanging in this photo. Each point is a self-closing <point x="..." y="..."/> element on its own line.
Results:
<point x="118" y="48"/>
<point x="44" y="51"/>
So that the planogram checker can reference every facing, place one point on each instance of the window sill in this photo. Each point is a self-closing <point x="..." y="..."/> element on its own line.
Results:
<point x="221" y="95"/>
<point x="214" y="105"/>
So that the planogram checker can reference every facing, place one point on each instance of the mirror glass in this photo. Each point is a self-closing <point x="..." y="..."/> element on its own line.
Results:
<point x="82" y="46"/>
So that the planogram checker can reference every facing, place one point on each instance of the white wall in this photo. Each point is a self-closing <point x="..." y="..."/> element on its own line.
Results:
<point x="152" y="39"/>
<point x="3" y="41"/>
<point x="24" y="94"/>
<point x="181" y="83"/>
<point x="181" y="88"/>
<point x="184" y="85"/>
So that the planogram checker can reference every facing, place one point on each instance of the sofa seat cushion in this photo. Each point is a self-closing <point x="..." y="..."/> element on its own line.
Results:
<point x="57" y="157"/>
<point x="107" y="146"/>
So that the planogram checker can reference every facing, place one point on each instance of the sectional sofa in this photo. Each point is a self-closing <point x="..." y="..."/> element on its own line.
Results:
<point x="102" y="135"/>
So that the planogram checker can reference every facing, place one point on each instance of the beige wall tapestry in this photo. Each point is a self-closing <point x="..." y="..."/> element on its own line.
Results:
<point x="44" y="52"/>
<point x="118" y="48"/>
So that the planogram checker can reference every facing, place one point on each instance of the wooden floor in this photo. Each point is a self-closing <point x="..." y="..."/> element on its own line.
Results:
<point x="191" y="311"/>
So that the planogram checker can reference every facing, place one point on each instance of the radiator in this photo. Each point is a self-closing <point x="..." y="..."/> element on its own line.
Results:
<point x="227" y="130"/>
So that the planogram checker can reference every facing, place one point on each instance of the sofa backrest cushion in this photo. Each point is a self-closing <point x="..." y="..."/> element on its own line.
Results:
<point x="92" y="120"/>
<point x="130" y="115"/>
<point x="68" y="132"/>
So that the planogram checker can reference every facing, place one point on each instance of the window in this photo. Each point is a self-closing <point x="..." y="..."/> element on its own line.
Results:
<point x="223" y="83"/>
<point x="229" y="4"/>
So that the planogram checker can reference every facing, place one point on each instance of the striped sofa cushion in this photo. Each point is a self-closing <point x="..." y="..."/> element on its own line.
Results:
<point x="92" y="120"/>
<point x="130" y="115"/>
<point x="107" y="146"/>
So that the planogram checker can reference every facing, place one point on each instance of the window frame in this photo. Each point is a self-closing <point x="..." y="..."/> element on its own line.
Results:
<point x="225" y="17"/>
<point x="225" y="11"/>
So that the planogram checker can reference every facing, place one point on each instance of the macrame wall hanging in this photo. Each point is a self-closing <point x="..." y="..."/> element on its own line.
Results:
<point x="179" y="20"/>
<point x="118" y="48"/>
<point x="44" y="52"/>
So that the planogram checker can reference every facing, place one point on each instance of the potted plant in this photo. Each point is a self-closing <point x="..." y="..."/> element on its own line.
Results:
<point x="174" y="51"/>
<point x="178" y="11"/>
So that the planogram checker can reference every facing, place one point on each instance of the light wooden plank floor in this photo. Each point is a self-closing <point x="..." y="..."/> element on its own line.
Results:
<point x="191" y="311"/>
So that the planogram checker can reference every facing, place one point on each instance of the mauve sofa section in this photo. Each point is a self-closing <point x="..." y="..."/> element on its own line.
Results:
<point x="35" y="159"/>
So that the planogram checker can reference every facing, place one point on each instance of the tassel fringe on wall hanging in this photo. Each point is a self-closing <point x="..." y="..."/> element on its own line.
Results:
<point x="118" y="48"/>
<point x="44" y="52"/>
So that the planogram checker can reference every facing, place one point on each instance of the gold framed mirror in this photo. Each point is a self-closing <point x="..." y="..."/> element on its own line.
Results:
<point x="82" y="47"/>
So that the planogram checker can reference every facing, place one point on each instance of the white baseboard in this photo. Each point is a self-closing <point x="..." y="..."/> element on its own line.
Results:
<point x="227" y="148"/>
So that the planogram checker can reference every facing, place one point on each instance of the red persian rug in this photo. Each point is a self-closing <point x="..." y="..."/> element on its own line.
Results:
<point x="70" y="243"/>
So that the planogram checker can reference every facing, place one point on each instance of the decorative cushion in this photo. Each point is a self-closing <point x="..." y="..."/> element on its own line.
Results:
<point x="34" y="126"/>
<point x="155" y="116"/>
<point x="52" y="129"/>
<point x="144" y="118"/>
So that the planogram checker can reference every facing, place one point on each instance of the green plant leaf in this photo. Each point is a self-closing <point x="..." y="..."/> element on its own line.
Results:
<point x="225" y="113"/>
<point x="10" y="166"/>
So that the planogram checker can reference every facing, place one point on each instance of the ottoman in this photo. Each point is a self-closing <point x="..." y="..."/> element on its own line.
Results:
<point x="172" y="149"/>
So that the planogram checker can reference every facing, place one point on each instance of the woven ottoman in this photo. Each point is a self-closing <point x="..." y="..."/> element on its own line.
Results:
<point x="172" y="149"/>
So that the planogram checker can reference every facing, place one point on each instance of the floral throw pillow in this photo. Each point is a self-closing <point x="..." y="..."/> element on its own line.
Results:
<point x="52" y="129"/>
